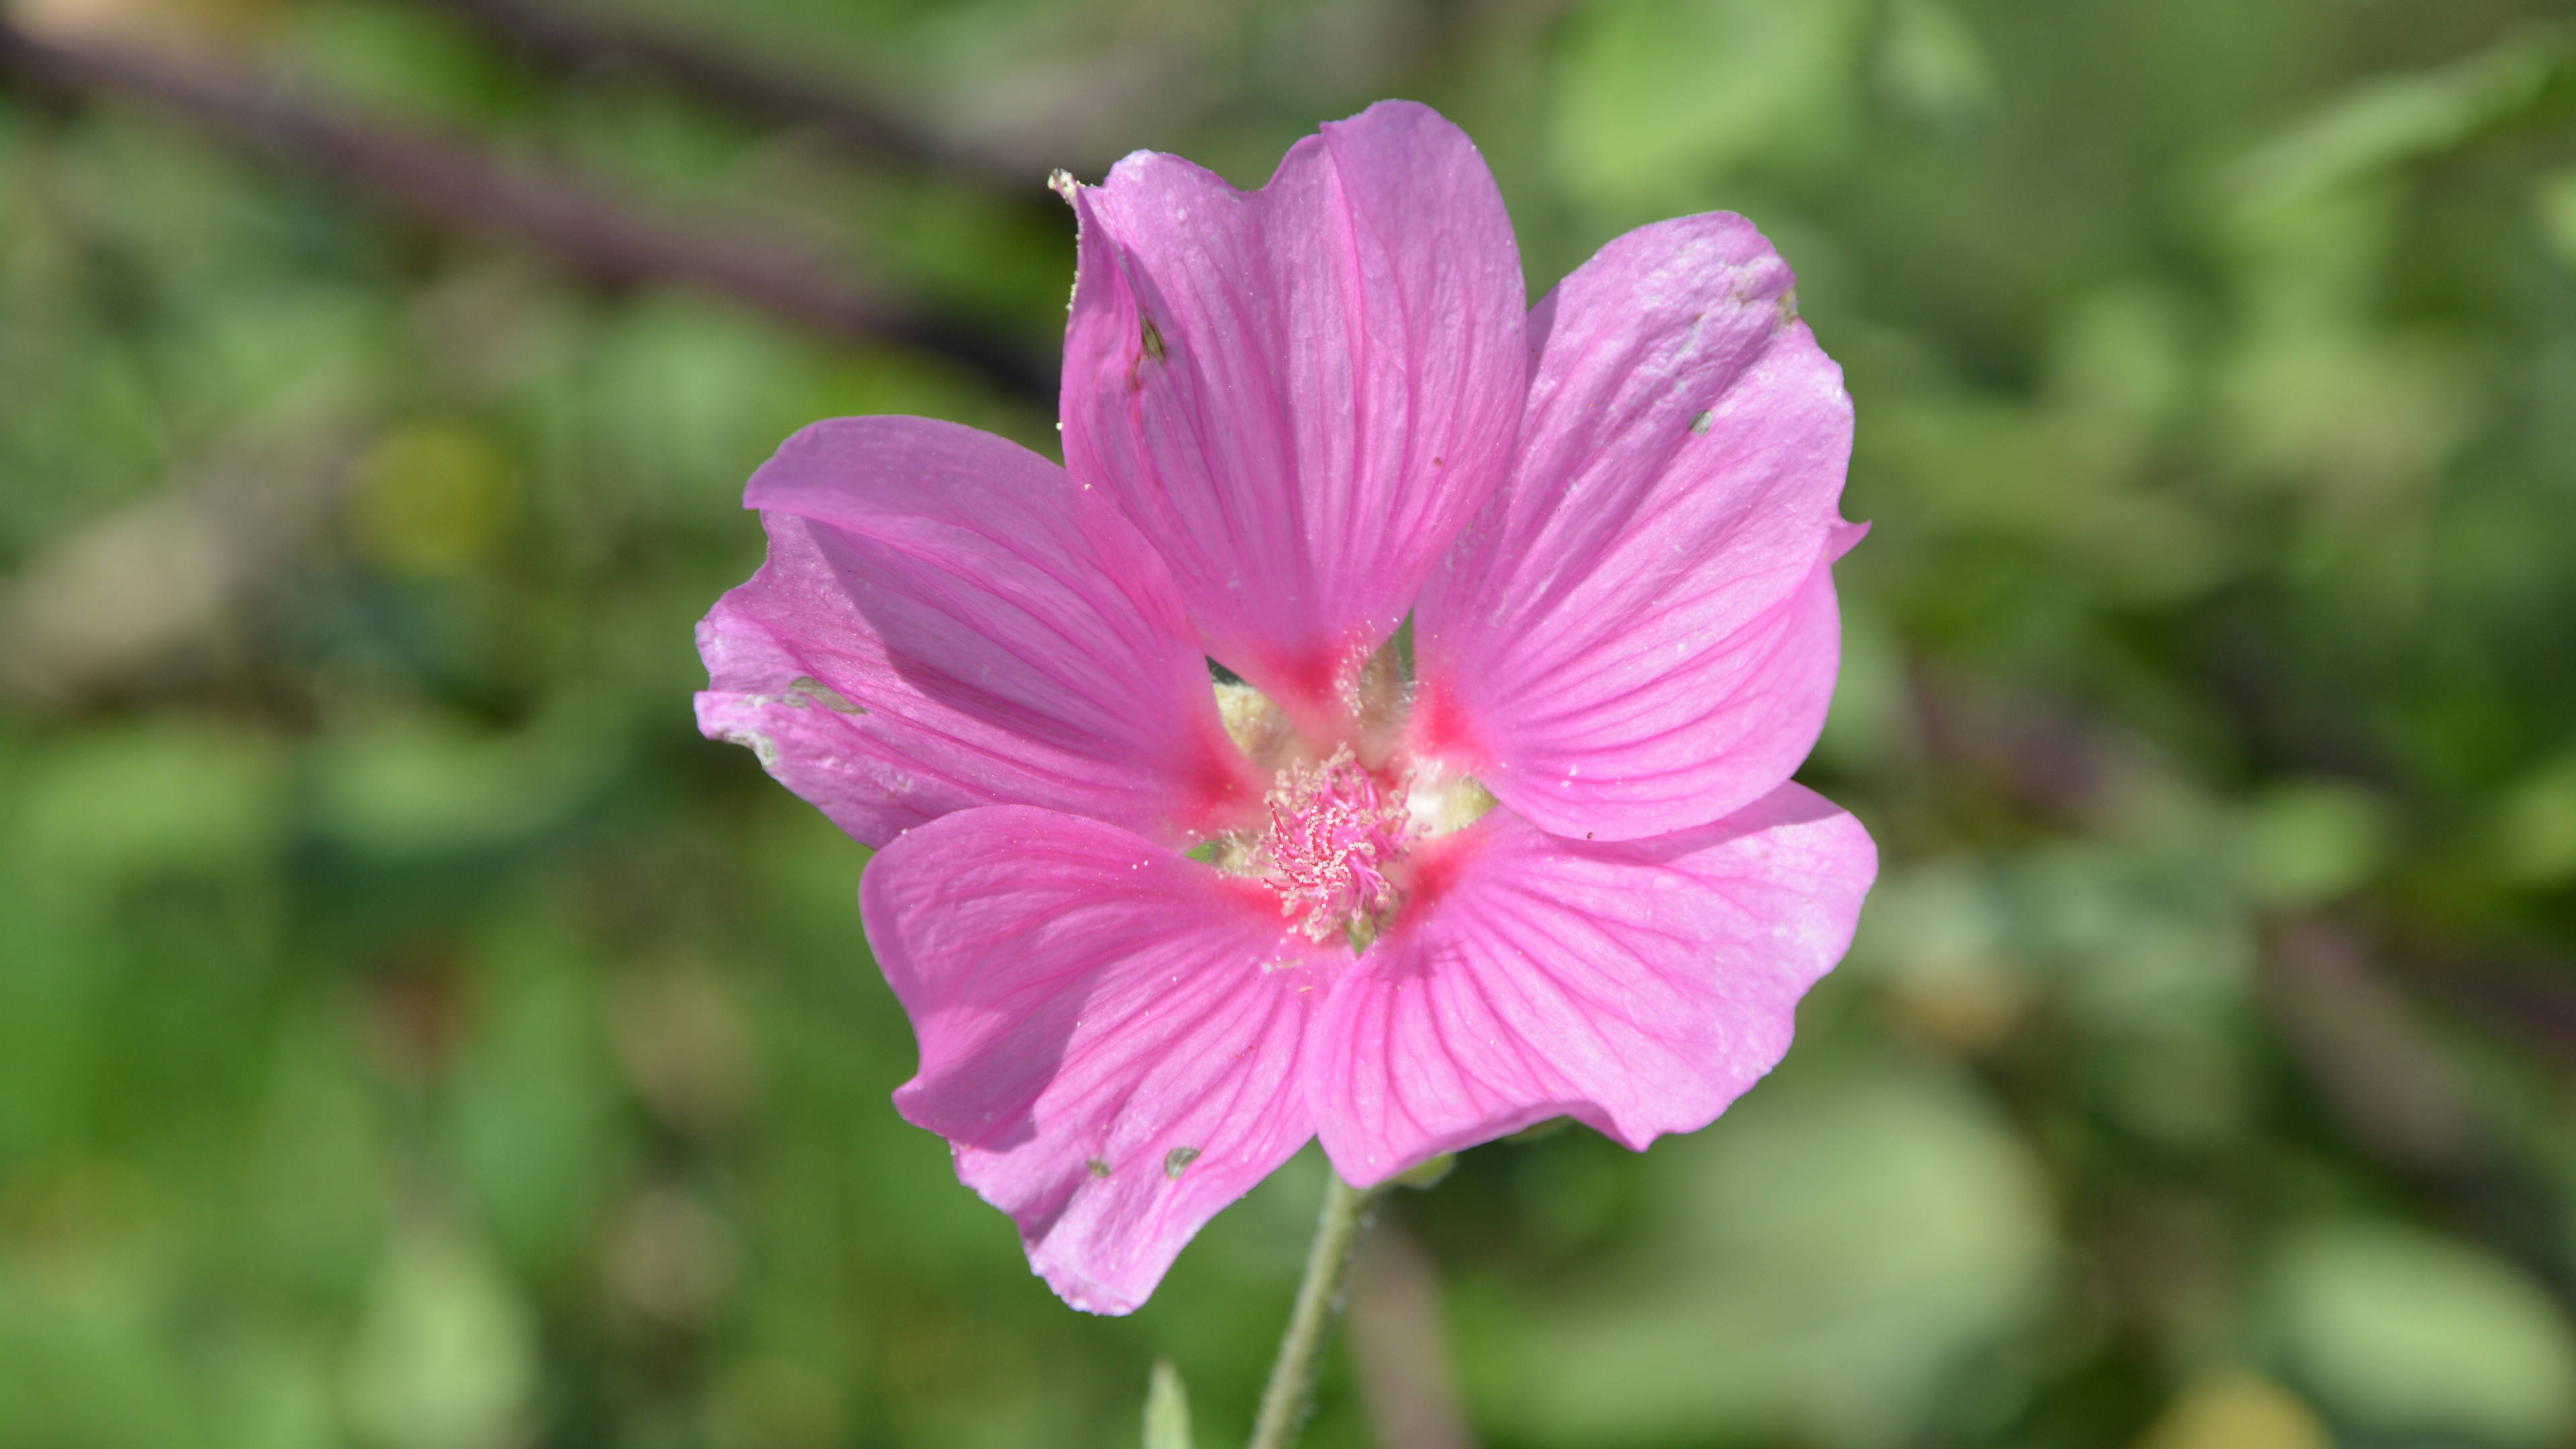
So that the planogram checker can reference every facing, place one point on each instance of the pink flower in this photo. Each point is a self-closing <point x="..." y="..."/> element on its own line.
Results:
<point x="1154" y="935"/>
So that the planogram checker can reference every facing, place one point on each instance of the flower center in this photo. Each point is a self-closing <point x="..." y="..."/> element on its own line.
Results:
<point x="1334" y="835"/>
<point x="1334" y="848"/>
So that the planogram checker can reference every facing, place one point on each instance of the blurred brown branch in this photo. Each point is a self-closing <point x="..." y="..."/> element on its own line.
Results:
<point x="454" y="184"/>
<point x="2526" y="994"/>
<point x="2358" y="1038"/>
<point x="2353" y="987"/>
<point x="2365" y="1044"/>
<point x="2057" y="767"/>
<point x="569" y="38"/>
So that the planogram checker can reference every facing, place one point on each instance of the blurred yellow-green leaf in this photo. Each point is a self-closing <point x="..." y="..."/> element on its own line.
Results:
<point x="2409" y="1333"/>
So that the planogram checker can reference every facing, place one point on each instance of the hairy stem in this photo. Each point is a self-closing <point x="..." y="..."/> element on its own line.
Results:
<point x="1319" y="1302"/>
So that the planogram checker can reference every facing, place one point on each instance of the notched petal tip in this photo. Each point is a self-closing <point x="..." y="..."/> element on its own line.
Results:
<point x="1396" y="121"/>
<point x="1264" y="380"/>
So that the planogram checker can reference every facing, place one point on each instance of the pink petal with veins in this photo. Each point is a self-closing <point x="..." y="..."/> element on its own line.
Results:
<point x="1300" y="394"/>
<point x="1112" y="1035"/>
<point x="942" y="624"/>
<point x="1638" y="634"/>
<point x="1638" y="986"/>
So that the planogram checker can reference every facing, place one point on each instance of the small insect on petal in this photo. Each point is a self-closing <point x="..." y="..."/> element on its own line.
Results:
<point x="1096" y="1167"/>
<point x="1178" y="1160"/>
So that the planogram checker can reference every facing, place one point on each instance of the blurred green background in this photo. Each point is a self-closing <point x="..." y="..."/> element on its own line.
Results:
<point x="413" y="1035"/>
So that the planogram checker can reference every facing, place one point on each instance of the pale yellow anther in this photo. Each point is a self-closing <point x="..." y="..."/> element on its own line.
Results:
<point x="1258" y="727"/>
<point x="1439" y="804"/>
<point x="1378" y="698"/>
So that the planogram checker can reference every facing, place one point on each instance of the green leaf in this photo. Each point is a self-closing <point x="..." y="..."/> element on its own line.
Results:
<point x="174" y="795"/>
<point x="2385" y="122"/>
<point x="1429" y="1174"/>
<point x="2536" y="826"/>
<point x="1827" y="1255"/>
<point x="1167" y="1409"/>
<point x="2553" y="199"/>
<point x="2309" y="841"/>
<point x="1657" y="96"/>
<point x="445" y="1356"/>
<point x="2412" y="1334"/>
<point x="1932" y="68"/>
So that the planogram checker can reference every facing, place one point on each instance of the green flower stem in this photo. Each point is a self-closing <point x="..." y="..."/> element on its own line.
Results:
<point x="1319" y="1302"/>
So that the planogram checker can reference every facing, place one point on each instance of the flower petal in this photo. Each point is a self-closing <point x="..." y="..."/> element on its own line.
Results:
<point x="1638" y="986"/>
<point x="942" y="624"/>
<point x="1639" y="634"/>
<point x="1300" y="394"/>
<point x="1111" y="1033"/>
